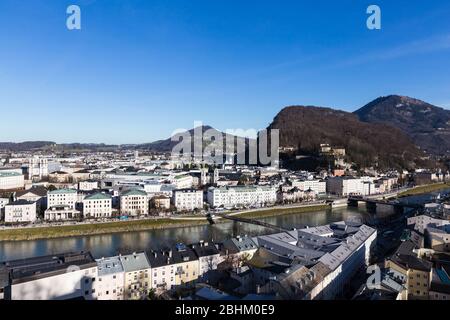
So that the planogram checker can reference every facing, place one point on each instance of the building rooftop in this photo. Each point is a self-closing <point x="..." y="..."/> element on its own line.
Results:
<point x="98" y="196"/>
<point x="4" y="174"/>
<point x="134" y="262"/>
<point x="62" y="191"/>
<point x="24" y="270"/>
<point x="109" y="265"/>
<point x="134" y="192"/>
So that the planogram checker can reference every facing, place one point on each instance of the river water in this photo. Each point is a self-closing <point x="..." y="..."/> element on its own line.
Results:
<point x="112" y="244"/>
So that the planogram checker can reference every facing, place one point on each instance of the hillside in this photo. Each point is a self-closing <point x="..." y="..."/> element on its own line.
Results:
<point x="306" y="127"/>
<point x="427" y="125"/>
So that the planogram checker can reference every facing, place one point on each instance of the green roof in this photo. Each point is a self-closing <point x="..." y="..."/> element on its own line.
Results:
<point x="134" y="192"/>
<point x="9" y="174"/>
<point x="98" y="196"/>
<point x="61" y="191"/>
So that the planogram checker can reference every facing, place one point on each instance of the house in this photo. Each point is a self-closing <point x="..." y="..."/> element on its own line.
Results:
<point x="11" y="180"/>
<point x="188" y="199"/>
<point x="137" y="279"/>
<point x="134" y="202"/>
<point x="58" y="277"/>
<point x="20" y="211"/>
<point x="61" y="213"/>
<point x="97" y="205"/>
<point x="161" y="202"/>
<point x="60" y="197"/>
<point x="111" y="279"/>
<point x="208" y="256"/>
<point x="35" y="194"/>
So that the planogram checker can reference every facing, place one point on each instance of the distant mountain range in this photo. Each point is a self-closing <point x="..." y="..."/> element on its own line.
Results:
<point x="392" y="131"/>
<point x="427" y="125"/>
<point x="306" y="127"/>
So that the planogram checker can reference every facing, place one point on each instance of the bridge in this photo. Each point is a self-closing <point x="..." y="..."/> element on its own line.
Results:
<point x="375" y="205"/>
<point x="247" y="220"/>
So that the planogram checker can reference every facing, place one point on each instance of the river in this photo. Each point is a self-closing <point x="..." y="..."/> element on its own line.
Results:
<point x="112" y="244"/>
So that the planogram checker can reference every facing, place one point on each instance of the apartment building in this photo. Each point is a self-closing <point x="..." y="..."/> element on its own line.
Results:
<point x="111" y="279"/>
<point x="11" y="180"/>
<point x="137" y="276"/>
<point x="61" y="213"/>
<point x="174" y="267"/>
<point x="208" y="257"/>
<point x="20" y="211"/>
<point x="241" y="196"/>
<point x="188" y="199"/>
<point x="97" y="205"/>
<point x="134" y="202"/>
<point x="88" y="185"/>
<point x="346" y="186"/>
<point x="53" y="277"/>
<point x="35" y="194"/>
<point x="60" y="197"/>
<point x="317" y="186"/>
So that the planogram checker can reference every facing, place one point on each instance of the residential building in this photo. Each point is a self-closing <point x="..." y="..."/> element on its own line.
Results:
<point x="134" y="202"/>
<point x="88" y="185"/>
<point x="188" y="199"/>
<point x="97" y="205"/>
<point x="11" y="180"/>
<point x="137" y="279"/>
<point x="208" y="257"/>
<point x="319" y="187"/>
<point x="241" y="196"/>
<point x="20" y="211"/>
<point x="53" y="277"/>
<point x="60" y="197"/>
<point x="161" y="202"/>
<point x="35" y="194"/>
<point x="111" y="279"/>
<point x="61" y="212"/>
<point x="346" y="186"/>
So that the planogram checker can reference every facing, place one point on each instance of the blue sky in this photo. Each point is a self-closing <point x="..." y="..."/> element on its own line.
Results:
<point x="139" y="69"/>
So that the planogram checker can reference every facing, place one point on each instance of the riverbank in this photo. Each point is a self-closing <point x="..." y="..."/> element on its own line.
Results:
<point x="425" y="189"/>
<point x="35" y="233"/>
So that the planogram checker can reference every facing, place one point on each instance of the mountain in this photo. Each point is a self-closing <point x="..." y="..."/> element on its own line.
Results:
<point x="26" y="145"/>
<point x="306" y="127"/>
<point x="167" y="145"/>
<point x="427" y="125"/>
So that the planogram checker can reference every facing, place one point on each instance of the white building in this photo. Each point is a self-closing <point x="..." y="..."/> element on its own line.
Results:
<point x="134" y="202"/>
<point x="182" y="181"/>
<point x="208" y="257"/>
<point x="111" y="279"/>
<point x="316" y="186"/>
<point x="61" y="197"/>
<point x="241" y="196"/>
<point x="137" y="279"/>
<point x="88" y="185"/>
<point x="37" y="168"/>
<point x="20" y="211"/>
<point x="345" y="186"/>
<point x="98" y="205"/>
<point x="54" y="277"/>
<point x="188" y="199"/>
<point x="11" y="180"/>
<point x="61" y="213"/>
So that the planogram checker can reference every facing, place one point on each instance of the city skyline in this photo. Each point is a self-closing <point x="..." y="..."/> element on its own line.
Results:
<point x="136" y="71"/>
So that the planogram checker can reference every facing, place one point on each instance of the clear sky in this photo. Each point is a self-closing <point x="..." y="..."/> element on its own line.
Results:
<point x="139" y="69"/>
